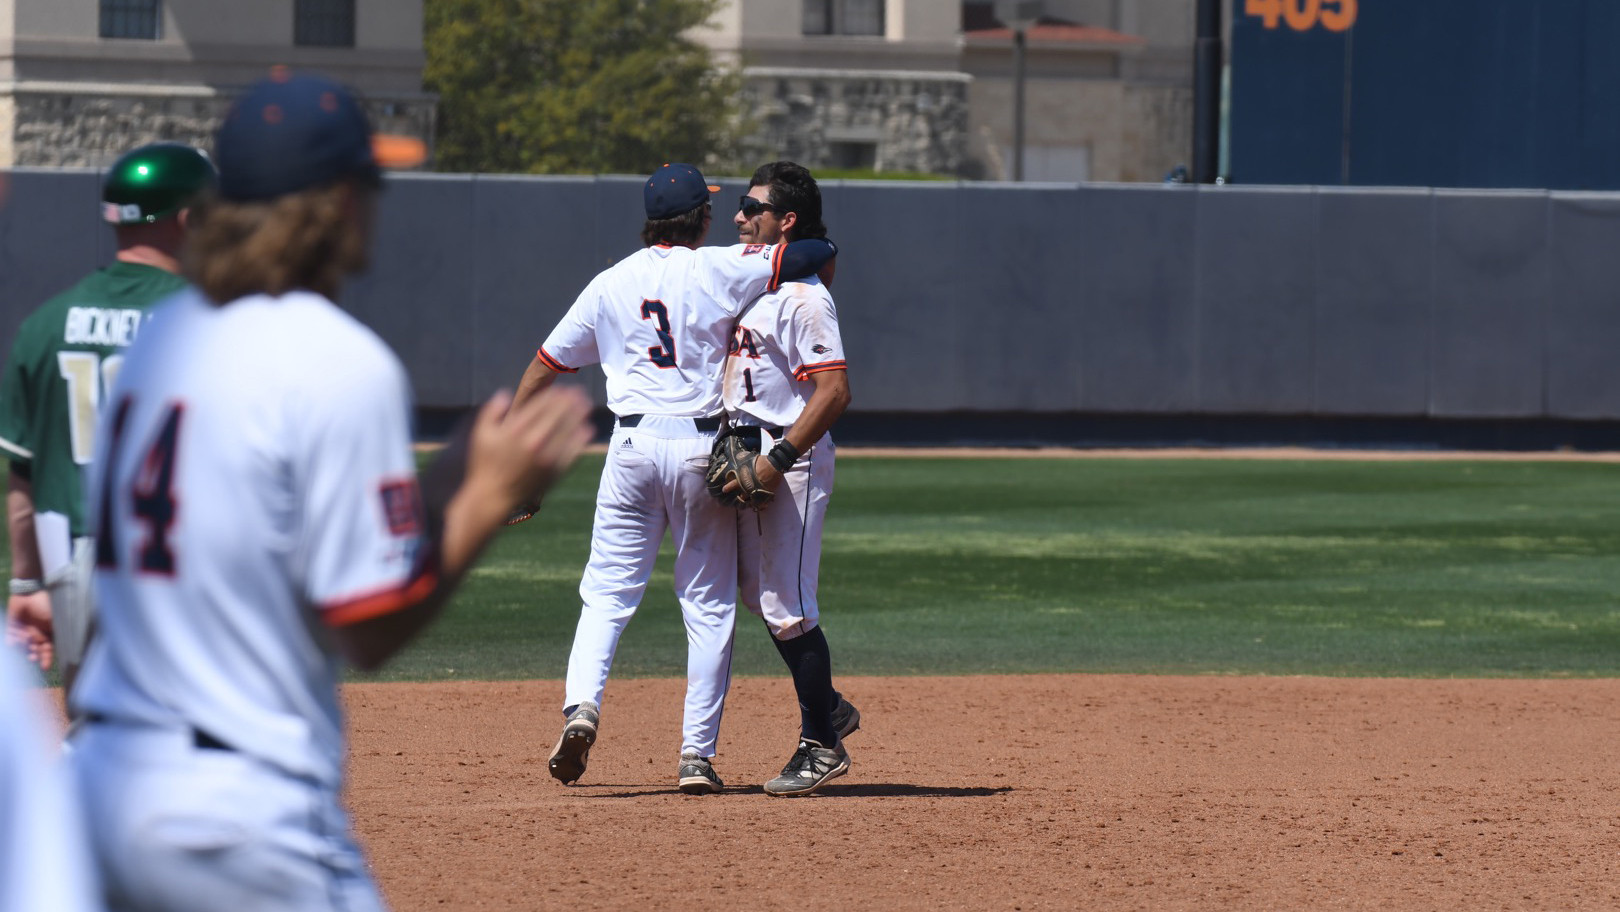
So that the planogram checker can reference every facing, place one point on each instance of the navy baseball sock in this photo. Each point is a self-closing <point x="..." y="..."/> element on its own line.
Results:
<point x="810" y="662"/>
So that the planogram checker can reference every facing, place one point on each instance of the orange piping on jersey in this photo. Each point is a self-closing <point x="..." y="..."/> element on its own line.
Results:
<point x="804" y="373"/>
<point x="776" y="267"/>
<point x="386" y="601"/>
<point x="554" y="364"/>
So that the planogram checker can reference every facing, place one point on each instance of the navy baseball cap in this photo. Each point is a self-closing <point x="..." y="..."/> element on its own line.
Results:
<point x="674" y="189"/>
<point x="294" y="131"/>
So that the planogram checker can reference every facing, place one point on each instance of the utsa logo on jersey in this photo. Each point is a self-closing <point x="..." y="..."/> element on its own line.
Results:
<point x="743" y="340"/>
<point x="402" y="506"/>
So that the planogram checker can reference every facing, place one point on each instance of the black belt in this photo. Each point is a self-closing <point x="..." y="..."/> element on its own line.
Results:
<point x="199" y="738"/>
<point x="702" y="424"/>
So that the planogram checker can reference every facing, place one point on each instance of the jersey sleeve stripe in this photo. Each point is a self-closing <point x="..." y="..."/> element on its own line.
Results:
<point x="15" y="450"/>
<point x="384" y="601"/>
<point x="554" y="364"/>
<point x="804" y="372"/>
<point x="776" y="267"/>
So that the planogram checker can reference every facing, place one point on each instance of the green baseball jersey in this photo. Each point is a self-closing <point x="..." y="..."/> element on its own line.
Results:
<point x="63" y="362"/>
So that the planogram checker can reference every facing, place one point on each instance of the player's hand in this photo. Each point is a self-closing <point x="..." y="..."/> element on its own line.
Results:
<point x="28" y="625"/>
<point x="769" y="478"/>
<point x="518" y="453"/>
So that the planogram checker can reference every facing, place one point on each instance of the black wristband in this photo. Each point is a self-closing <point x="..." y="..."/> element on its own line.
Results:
<point x="783" y="455"/>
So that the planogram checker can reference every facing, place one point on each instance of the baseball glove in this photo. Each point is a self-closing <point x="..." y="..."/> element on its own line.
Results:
<point x="522" y="512"/>
<point x="733" y="458"/>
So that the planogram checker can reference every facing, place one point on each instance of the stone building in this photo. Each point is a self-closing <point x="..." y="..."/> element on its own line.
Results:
<point x="927" y="85"/>
<point x="881" y="85"/>
<point x="870" y="84"/>
<point x="82" y="81"/>
<point x="1107" y="97"/>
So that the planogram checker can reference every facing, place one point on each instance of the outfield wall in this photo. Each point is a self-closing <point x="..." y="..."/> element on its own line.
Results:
<point x="1099" y="299"/>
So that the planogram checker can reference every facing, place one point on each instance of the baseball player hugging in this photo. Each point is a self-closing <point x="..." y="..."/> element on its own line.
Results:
<point x="785" y="380"/>
<point x="659" y="323"/>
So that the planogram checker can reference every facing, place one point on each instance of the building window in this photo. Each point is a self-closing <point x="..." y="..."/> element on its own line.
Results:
<point x="130" y="19"/>
<point x="843" y="17"/>
<point x="324" y="23"/>
<point x="859" y="156"/>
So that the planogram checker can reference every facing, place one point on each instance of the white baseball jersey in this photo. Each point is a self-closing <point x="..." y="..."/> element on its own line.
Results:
<point x="253" y="483"/>
<point x="630" y="317"/>
<point x="780" y="342"/>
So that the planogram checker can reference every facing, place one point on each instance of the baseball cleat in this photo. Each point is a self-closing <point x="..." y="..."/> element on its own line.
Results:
<point x="845" y="718"/>
<point x="811" y="767"/>
<point x="697" y="775"/>
<point x="568" y="760"/>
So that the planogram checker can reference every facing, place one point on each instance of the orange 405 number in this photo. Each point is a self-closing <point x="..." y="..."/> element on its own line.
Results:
<point x="1303" y="15"/>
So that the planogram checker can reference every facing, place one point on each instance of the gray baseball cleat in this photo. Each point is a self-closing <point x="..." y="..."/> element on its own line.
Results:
<point x="697" y="775"/>
<point x="568" y="760"/>
<point x="846" y="718"/>
<point x="812" y="767"/>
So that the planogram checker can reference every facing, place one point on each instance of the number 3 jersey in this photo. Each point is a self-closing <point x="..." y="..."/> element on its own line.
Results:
<point x="66" y="354"/>
<point x="779" y="344"/>
<point x="658" y="322"/>
<point x="253" y="486"/>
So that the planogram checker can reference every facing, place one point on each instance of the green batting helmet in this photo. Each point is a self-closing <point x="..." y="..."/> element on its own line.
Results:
<point x="154" y="182"/>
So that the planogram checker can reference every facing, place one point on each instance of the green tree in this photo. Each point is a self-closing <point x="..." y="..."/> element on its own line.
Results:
<point x="577" y="86"/>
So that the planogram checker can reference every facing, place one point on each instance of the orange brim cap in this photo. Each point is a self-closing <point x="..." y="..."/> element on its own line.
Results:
<point x="395" y="151"/>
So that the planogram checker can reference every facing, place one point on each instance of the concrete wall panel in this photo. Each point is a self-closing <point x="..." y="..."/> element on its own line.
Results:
<point x="905" y="323"/>
<point x="1582" y="320"/>
<point x="1132" y="276"/>
<point x="1491" y="285"/>
<point x="1091" y="299"/>
<point x="418" y="293"/>
<point x="1020" y="320"/>
<point x="1256" y="293"/>
<point x="50" y="232"/>
<point x="533" y="251"/>
<point x="1374" y="283"/>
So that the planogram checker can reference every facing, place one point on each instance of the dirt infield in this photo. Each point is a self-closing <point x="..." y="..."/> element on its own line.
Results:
<point x="1042" y="792"/>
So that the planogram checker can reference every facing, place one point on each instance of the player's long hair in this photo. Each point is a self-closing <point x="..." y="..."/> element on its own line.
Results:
<point x="793" y="189"/>
<point x="305" y="240"/>
<point x="685" y="230"/>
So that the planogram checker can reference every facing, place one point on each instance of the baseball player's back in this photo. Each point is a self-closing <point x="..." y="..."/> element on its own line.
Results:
<point x="659" y="322"/>
<point x="66" y="354"/>
<point x="258" y="520"/>
<point x="235" y="528"/>
<point x="65" y="357"/>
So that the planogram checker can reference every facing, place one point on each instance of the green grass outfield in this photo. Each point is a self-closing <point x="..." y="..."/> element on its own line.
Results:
<point x="1162" y="565"/>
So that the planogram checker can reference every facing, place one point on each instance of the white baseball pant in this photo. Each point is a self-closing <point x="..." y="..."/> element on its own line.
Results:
<point x="653" y="480"/>
<point x="779" y="548"/>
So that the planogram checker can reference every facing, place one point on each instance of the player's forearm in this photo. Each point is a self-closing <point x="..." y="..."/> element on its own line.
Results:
<point x="25" y="562"/>
<point x="804" y="258"/>
<point x="535" y="379"/>
<point x="827" y="404"/>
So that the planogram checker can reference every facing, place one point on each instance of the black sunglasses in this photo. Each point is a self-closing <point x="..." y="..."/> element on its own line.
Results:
<point x="751" y="207"/>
